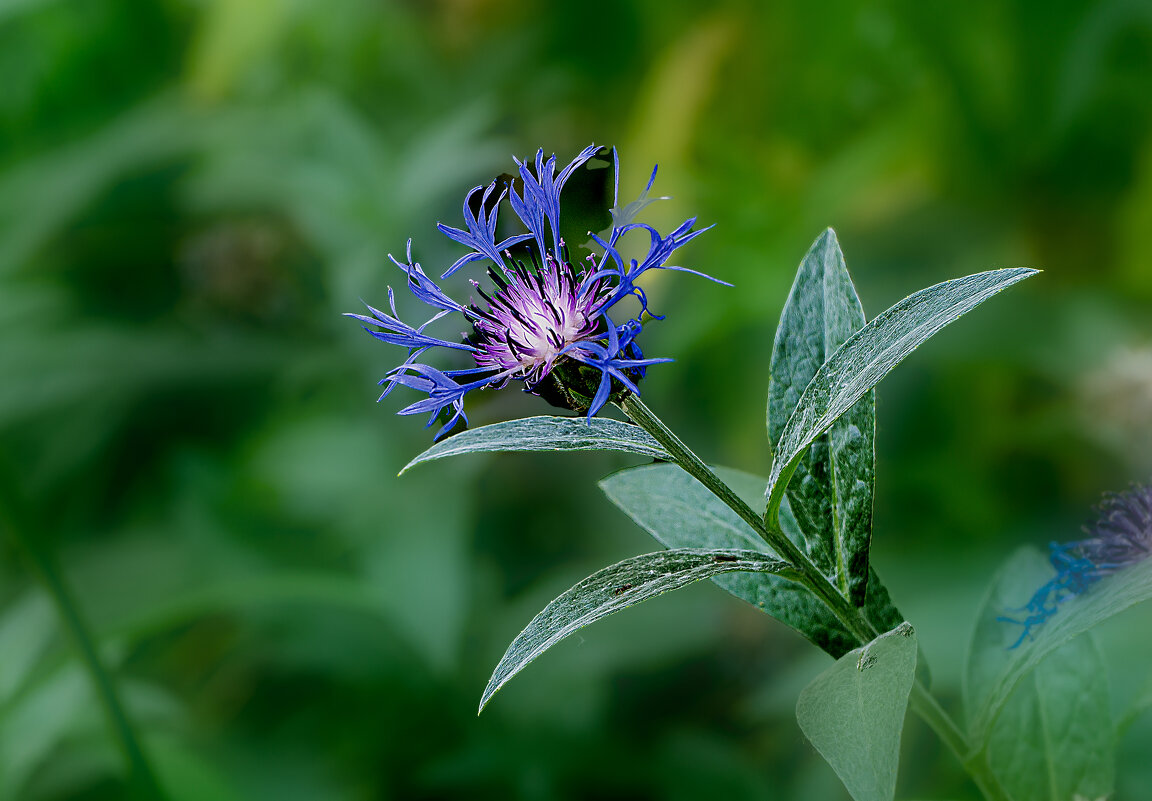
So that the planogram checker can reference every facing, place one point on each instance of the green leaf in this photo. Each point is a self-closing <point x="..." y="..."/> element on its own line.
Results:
<point x="547" y="434"/>
<point x="36" y="721"/>
<point x="869" y="355"/>
<point x="187" y="776"/>
<point x="617" y="587"/>
<point x="27" y="627"/>
<point x="854" y="712"/>
<point x="995" y="668"/>
<point x="680" y="512"/>
<point x="1135" y="709"/>
<point x="1054" y="739"/>
<point x="831" y="491"/>
<point x="38" y="198"/>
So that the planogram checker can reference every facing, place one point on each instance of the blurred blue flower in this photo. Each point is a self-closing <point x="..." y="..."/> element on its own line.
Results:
<point x="1122" y="536"/>
<point x="544" y="321"/>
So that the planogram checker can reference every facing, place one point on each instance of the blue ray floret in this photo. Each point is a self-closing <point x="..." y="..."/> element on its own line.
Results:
<point x="544" y="322"/>
<point x="1122" y="536"/>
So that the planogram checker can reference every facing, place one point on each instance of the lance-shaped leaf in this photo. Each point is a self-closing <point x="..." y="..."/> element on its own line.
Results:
<point x="831" y="491"/>
<point x="854" y="712"/>
<point x="620" y="586"/>
<point x="680" y="512"/>
<point x="1054" y="738"/>
<point x="995" y="668"/>
<point x="869" y="355"/>
<point x="547" y="434"/>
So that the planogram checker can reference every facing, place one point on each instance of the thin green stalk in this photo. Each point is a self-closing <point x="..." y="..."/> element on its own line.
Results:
<point x="925" y="705"/>
<point x="811" y="576"/>
<point x="141" y="778"/>
<point x="642" y="416"/>
<point x="922" y="702"/>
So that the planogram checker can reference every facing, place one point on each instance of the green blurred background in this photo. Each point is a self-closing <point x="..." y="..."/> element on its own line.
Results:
<point x="192" y="192"/>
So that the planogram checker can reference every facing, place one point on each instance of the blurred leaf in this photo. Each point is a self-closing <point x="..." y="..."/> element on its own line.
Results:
<point x="99" y="361"/>
<point x="232" y="35"/>
<point x="288" y="589"/>
<point x="33" y="725"/>
<point x="144" y="587"/>
<point x="994" y="668"/>
<point x="1054" y="738"/>
<point x="26" y="628"/>
<point x="1131" y="224"/>
<point x="186" y="776"/>
<point x="854" y="713"/>
<point x="547" y="434"/>
<point x="55" y="734"/>
<point x="1083" y="76"/>
<point x="680" y="512"/>
<point x="831" y="491"/>
<point x="675" y="93"/>
<point x="1136" y="709"/>
<point x="38" y="198"/>
<point x="869" y="355"/>
<point x="618" y="587"/>
<point x="353" y="192"/>
<point x="11" y="8"/>
<point x="329" y="472"/>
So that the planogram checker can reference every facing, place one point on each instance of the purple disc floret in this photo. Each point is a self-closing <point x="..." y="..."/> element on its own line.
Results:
<point x="543" y="321"/>
<point x="1121" y="536"/>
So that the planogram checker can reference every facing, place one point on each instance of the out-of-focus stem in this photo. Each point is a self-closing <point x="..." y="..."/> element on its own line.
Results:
<point x="142" y="780"/>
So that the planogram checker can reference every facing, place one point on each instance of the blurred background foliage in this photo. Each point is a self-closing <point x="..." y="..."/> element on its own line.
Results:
<point x="192" y="191"/>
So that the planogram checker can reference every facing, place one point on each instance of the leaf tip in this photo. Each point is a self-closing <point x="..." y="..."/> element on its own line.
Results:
<point x="486" y="696"/>
<point x="1025" y="272"/>
<point x="409" y="466"/>
<point x="827" y="239"/>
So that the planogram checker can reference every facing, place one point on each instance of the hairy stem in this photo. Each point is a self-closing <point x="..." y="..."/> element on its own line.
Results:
<point x="142" y="781"/>
<point x="922" y="702"/>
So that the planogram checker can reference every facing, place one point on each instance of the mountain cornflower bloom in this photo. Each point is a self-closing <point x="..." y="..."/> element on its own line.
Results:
<point x="544" y="322"/>
<point x="1122" y="536"/>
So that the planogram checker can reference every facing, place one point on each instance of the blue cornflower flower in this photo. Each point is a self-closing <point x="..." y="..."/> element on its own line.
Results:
<point x="544" y="322"/>
<point x="1122" y="536"/>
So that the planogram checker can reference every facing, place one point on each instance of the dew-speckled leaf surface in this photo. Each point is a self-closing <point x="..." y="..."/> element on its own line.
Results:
<point x="1054" y="738"/>
<point x="618" y="587"/>
<point x="680" y="512"/>
<point x="869" y="355"/>
<point x="854" y="713"/>
<point x="832" y="488"/>
<point x="547" y="434"/>
<point x="994" y="669"/>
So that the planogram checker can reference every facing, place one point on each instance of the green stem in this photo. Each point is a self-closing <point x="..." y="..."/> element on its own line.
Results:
<point x="141" y="778"/>
<point x="810" y="575"/>
<point x="925" y="705"/>
<point x="642" y="416"/>
<point x="922" y="702"/>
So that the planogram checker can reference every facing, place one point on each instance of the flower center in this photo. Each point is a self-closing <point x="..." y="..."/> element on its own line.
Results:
<point x="532" y="316"/>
